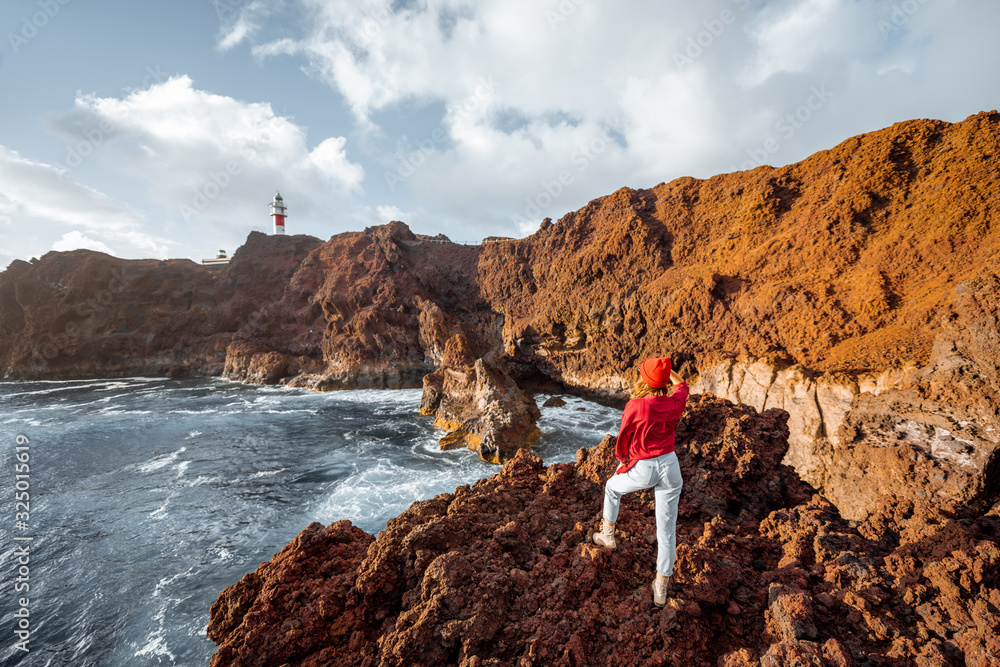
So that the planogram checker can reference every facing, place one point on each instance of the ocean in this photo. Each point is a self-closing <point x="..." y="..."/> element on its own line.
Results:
<point x="145" y="497"/>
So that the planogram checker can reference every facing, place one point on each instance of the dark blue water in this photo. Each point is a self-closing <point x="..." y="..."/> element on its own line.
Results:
<point x="150" y="496"/>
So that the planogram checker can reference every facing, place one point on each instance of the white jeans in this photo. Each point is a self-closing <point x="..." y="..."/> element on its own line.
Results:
<point x="664" y="474"/>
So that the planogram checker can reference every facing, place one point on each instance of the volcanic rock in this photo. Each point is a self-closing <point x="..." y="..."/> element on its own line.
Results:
<point x="481" y="408"/>
<point x="504" y="573"/>
<point x="85" y="314"/>
<point x="805" y="287"/>
<point x="390" y="302"/>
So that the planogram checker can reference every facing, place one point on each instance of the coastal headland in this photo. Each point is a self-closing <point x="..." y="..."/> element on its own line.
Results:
<point x="847" y="306"/>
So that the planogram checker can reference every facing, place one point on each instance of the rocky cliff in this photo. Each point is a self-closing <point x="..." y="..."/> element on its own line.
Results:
<point x="86" y="314"/>
<point x="504" y="573"/>
<point x="855" y="289"/>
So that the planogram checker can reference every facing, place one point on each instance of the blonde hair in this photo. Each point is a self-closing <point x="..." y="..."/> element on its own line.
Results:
<point x="640" y="389"/>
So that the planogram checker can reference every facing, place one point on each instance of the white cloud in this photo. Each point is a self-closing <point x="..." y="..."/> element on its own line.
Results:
<point x="39" y="198"/>
<point x="389" y="213"/>
<point x="75" y="240"/>
<point x="39" y="190"/>
<point x="213" y="160"/>
<point x="693" y="88"/>
<point x="240" y="24"/>
<point x="330" y="160"/>
<point x="789" y="36"/>
<point x="235" y="34"/>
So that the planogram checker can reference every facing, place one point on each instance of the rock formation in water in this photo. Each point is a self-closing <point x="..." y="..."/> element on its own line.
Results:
<point x="856" y="290"/>
<point x="504" y="573"/>
<point x="479" y="405"/>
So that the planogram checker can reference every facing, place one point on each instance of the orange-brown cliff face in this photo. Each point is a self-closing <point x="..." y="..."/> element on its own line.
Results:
<point x="369" y="309"/>
<point x="847" y="261"/>
<point x="858" y="283"/>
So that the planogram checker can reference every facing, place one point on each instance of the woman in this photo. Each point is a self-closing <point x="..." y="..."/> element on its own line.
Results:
<point x="645" y="449"/>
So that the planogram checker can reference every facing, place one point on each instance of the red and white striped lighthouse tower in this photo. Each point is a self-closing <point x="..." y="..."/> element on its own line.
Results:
<point x="278" y="213"/>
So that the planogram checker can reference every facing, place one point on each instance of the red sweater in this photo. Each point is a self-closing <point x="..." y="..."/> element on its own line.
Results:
<point x="648" y="425"/>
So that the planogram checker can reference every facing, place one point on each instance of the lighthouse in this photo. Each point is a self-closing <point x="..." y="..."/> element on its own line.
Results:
<point x="278" y="213"/>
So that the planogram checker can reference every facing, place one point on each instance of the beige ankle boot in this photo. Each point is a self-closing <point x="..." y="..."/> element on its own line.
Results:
<point x="606" y="538"/>
<point x="660" y="584"/>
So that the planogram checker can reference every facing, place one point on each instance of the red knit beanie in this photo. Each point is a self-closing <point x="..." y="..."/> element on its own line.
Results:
<point x="655" y="372"/>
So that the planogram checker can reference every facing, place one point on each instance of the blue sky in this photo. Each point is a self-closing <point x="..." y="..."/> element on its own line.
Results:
<point x="163" y="129"/>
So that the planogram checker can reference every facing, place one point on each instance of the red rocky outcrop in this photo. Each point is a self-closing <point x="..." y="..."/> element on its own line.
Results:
<point x="504" y="573"/>
<point x="390" y="300"/>
<point x="479" y="405"/>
